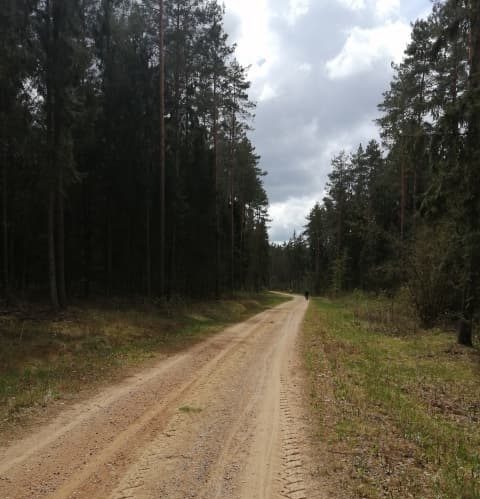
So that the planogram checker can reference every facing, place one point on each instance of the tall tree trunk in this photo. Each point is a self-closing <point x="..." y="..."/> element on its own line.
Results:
<point x="215" y="173"/>
<point x="87" y="239"/>
<point x="62" y="293"/>
<point x="57" y="104"/>
<point x="403" y="195"/>
<point x="52" y="270"/>
<point x="109" y="157"/>
<point x="6" y="284"/>
<point x="148" y="246"/>
<point x="215" y="188"/>
<point x="414" y="198"/>
<point x="232" y="203"/>
<point x="162" y="148"/>
<point x="173" y="286"/>
<point x="472" y="243"/>
<point x="109" y="251"/>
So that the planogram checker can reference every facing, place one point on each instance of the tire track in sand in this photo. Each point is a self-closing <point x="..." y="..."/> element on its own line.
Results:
<point x="219" y="421"/>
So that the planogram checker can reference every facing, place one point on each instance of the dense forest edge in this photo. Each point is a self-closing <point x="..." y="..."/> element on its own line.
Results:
<point x="49" y="359"/>
<point x="403" y="216"/>
<point x="126" y="169"/>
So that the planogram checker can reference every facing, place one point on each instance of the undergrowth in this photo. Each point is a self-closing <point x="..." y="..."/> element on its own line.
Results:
<point x="404" y="412"/>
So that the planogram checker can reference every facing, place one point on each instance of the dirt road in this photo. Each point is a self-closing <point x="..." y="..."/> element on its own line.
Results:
<point x="222" y="420"/>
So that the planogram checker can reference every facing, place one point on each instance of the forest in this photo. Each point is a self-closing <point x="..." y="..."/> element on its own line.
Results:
<point x="126" y="169"/>
<point x="145" y="350"/>
<point x="405" y="213"/>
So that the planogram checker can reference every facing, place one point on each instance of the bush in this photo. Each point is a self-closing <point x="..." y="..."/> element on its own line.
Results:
<point x="433" y="273"/>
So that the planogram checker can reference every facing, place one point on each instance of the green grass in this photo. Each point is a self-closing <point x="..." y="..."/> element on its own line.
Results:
<point x="406" y="404"/>
<point x="44" y="357"/>
<point x="190" y="410"/>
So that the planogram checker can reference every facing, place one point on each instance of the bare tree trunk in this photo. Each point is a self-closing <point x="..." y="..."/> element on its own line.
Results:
<point x="415" y="187"/>
<point x="87" y="239"/>
<point x="51" y="250"/>
<point x="472" y="243"/>
<point x="52" y="268"/>
<point x="402" y="197"/>
<point x="6" y="284"/>
<point x="232" y="204"/>
<point x="108" y="248"/>
<point x="173" y="287"/>
<point x="215" y="190"/>
<point x="62" y="293"/>
<point x="215" y="175"/>
<point x="148" y="247"/>
<point x="109" y="257"/>
<point x="162" y="149"/>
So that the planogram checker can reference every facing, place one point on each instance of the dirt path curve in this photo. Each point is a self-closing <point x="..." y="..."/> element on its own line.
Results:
<point x="222" y="420"/>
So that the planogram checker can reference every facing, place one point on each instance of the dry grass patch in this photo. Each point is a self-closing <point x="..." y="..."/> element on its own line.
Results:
<point x="46" y="357"/>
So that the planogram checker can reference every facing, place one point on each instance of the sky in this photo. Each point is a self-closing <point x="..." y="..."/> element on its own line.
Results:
<point x="318" y="70"/>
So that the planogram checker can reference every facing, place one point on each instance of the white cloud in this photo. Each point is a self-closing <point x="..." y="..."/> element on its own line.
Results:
<point x="297" y="9"/>
<point x="387" y="8"/>
<point x="382" y="8"/>
<point x="348" y="140"/>
<point x="353" y="4"/>
<point x="305" y="67"/>
<point x="268" y="92"/>
<point x="290" y="215"/>
<point x="255" y="40"/>
<point x="364" y="46"/>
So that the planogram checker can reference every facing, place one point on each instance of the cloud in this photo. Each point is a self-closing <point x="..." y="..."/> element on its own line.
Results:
<point x="353" y="4"/>
<point x="289" y="215"/>
<point x="297" y="9"/>
<point x="365" y="46"/>
<point x="268" y="92"/>
<point x="306" y="60"/>
<point x="257" y="45"/>
<point x="381" y="8"/>
<point x="305" y="67"/>
<point x="387" y="8"/>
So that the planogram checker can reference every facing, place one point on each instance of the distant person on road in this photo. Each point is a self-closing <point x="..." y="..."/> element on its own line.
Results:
<point x="307" y="294"/>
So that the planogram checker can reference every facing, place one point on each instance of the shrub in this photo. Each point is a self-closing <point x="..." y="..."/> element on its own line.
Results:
<point x="433" y="273"/>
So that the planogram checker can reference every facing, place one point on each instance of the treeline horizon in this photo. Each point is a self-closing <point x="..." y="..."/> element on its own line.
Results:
<point x="406" y="213"/>
<point x="126" y="165"/>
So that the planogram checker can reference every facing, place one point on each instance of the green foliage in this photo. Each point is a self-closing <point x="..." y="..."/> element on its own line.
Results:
<point x="434" y="276"/>
<point x="339" y="273"/>
<point x="289" y="265"/>
<point x="347" y="238"/>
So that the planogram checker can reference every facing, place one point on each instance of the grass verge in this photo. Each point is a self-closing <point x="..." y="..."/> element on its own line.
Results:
<point x="397" y="414"/>
<point x="44" y="358"/>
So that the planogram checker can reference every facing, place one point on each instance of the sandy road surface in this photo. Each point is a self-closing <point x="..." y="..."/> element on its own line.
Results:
<point x="222" y="420"/>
